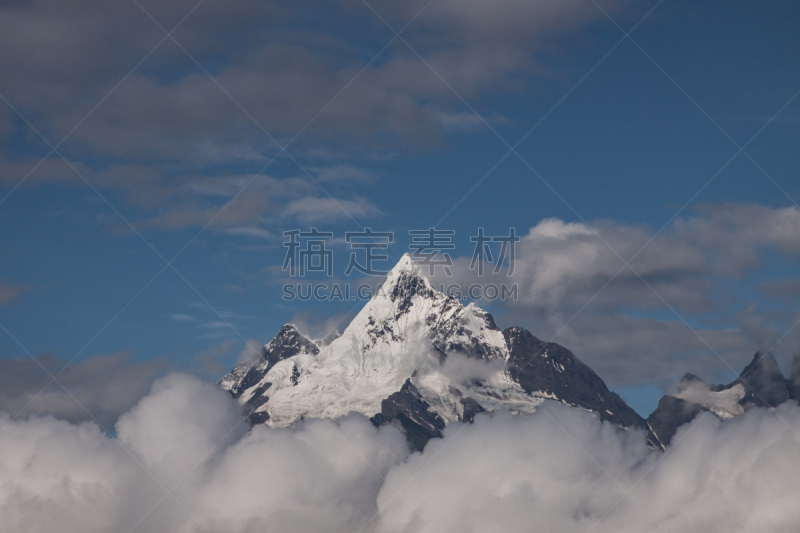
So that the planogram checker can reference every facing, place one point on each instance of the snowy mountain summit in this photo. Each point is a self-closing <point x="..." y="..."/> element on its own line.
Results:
<point x="418" y="357"/>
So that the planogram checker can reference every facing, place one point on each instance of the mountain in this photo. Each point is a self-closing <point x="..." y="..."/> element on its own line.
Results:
<point x="419" y="358"/>
<point x="761" y="384"/>
<point x="246" y="382"/>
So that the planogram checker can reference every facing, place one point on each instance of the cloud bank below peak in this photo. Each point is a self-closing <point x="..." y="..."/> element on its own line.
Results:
<point x="559" y="465"/>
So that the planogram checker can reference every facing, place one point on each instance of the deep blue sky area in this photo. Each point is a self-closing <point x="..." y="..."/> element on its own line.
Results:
<point x="544" y="117"/>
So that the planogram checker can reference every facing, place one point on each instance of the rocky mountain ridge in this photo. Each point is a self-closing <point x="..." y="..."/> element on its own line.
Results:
<point x="419" y="358"/>
<point x="760" y="384"/>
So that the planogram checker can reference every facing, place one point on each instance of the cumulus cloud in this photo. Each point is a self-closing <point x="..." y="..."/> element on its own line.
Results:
<point x="559" y="469"/>
<point x="105" y="385"/>
<point x="175" y="426"/>
<point x="188" y="436"/>
<point x="566" y="263"/>
<point x="575" y="288"/>
<point x="567" y="472"/>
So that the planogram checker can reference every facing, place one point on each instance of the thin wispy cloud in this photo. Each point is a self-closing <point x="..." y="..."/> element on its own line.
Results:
<point x="10" y="292"/>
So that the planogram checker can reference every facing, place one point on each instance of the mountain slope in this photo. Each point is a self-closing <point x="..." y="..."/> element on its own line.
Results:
<point x="246" y="381"/>
<point x="760" y="384"/>
<point x="553" y="370"/>
<point x="417" y="357"/>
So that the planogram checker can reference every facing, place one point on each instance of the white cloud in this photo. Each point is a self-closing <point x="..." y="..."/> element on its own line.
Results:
<point x="178" y="424"/>
<point x="313" y="210"/>
<point x="557" y="470"/>
<point x="167" y="118"/>
<point x="575" y="289"/>
<point x="462" y="369"/>
<point x="252" y="231"/>
<point x="187" y="434"/>
<point x="319" y="327"/>
<point x="104" y="385"/>
<point x="562" y="262"/>
<point x="251" y="348"/>
<point x="569" y="473"/>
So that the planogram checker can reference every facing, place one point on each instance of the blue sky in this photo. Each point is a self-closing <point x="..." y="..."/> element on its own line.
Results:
<point x="620" y="139"/>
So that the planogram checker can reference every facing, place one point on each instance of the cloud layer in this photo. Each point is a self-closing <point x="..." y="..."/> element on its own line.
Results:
<point x="149" y="115"/>
<point x="104" y="386"/>
<point x="680" y="306"/>
<point x="559" y="469"/>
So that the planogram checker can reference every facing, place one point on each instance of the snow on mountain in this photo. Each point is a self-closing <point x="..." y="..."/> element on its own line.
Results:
<point x="246" y="381"/>
<point x="760" y="384"/>
<point x="415" y="355"/>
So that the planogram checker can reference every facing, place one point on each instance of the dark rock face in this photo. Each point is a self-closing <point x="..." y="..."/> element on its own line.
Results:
<point x="287" y="343"/>
<point x="541" y="369"/>
<point x="538" y="367"/>
<point x="763" y="383"/>
<point x="257" y="418"/>
<point x="794" y="378"/>
<point x="552" y="369"/>
<point x="456" y="328"/>
<point x="408" y="407"/>
<point x="671" y="414"/>
<point x="407" y="286"/>
<point x="471" y="408"/>
<point x="689" y="380"/>
<point x="258" y="398"/>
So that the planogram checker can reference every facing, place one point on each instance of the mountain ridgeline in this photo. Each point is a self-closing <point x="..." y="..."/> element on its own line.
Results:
<point x="420" y="359"/>
<point x="761" y="384"/>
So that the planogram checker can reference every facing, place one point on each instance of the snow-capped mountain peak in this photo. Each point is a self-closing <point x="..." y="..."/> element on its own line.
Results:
<point x="405" y="332"/>
<point x="413" y="354"/>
